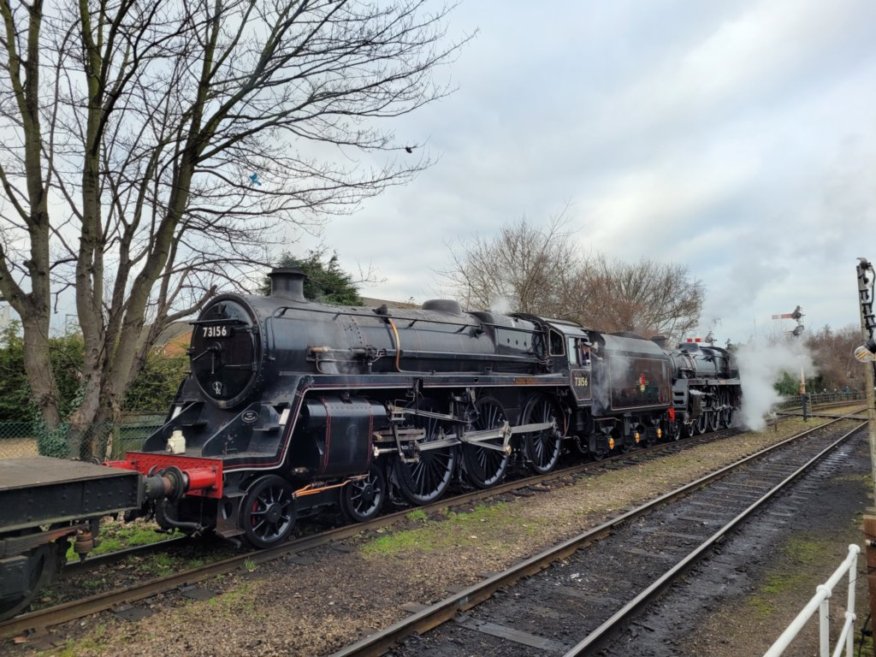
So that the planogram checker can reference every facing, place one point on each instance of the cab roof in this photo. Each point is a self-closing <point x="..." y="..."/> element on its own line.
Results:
<point x="569" y="329"/>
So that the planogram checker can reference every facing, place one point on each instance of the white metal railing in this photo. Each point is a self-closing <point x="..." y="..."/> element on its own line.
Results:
<point x="821" y="603"/>
<point x="822" y="398"/>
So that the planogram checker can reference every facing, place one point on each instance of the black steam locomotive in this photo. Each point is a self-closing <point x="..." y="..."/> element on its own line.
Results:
<point x="290" y="399"/>
<point x="291" y="405"/>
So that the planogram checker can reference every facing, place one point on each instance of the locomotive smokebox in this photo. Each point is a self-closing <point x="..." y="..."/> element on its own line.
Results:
<point x="288" y="283"/>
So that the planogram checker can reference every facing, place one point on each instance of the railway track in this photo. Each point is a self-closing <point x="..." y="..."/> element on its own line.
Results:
<point x="81" y="568"/>
<point x="530" y="608"/>
<point x="41" y="619"/>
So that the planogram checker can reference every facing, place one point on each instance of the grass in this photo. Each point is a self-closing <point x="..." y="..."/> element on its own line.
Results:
<point x="161" y="565"/>
<point x="484" y="523"/>
<point x="115" y="536"/>
<point x="235" y="600"/>
<point x="801" y="554"/>
<point x="417" y="515"/>
<point x="92" y="643"/>
<point x="807" y="551"/>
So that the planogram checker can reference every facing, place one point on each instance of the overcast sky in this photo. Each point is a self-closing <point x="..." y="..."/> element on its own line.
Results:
<point x="737" y="138"/>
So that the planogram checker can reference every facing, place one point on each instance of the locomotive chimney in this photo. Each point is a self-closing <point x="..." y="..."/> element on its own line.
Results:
<point x="288" y="283"/>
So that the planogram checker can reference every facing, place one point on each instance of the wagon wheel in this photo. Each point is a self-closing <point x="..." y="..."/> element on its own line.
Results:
<point x="542" y="448"/>
<point x="42" y="564"/>
<point x="362" y="499"/>
<point x="427" y="479"/>
<point x="268" y="512"/>
<point x="486" y="467"/>
<point x="727" y="417"/>
<point x="701" y="423"/>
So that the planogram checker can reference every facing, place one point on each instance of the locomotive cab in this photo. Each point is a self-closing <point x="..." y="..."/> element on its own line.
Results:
<point x="570" y="349"/>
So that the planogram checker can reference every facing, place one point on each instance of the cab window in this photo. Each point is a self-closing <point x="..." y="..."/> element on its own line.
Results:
<point x="583" y="353"/>
<point x="573" y="352"/>
<point x="556" y="344"/>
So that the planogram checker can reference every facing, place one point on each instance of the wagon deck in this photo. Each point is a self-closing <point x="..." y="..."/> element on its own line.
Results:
<point x="39" y="490"/>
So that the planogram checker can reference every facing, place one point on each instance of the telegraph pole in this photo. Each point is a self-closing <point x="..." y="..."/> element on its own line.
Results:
<point x="866" y="353"/>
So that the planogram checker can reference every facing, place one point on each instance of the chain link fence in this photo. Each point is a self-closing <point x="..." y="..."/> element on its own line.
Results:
<point x="19" y="439"/>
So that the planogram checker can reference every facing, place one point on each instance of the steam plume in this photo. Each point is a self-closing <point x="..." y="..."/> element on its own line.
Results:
<point x="761" y="363"/>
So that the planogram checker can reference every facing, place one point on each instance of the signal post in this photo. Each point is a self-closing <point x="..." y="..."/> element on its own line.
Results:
<point x="866" y="354"/>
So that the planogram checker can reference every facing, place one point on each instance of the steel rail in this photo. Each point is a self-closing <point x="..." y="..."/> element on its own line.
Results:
<point x="623" y="614"/>
<point x="105" y="558"/>
<point x="470" y="597"/>
<point x="41" y="619"/>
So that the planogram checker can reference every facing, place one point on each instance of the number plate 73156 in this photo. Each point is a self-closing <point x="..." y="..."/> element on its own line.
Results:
<point x="216" y="331"/>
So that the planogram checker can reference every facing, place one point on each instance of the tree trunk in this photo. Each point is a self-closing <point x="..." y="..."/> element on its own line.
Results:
<point x="38" y="367"/>
<point x="91" y="424"/>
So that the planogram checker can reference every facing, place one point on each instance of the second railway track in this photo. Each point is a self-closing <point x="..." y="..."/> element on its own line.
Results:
<point x="607" y="574"/>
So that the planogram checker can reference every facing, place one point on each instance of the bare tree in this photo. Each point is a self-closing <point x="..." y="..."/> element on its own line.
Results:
<point x="646" y="297"/>
<point x="524" y="268"/>
<point x="542" y="271"/>
<point x="833" y="353"/>
<point x="151" y="148"/>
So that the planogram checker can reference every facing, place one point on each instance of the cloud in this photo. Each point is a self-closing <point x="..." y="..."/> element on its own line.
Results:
<point x="734" y="138"/>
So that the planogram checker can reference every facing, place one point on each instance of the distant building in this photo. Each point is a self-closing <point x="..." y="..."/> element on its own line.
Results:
<point x="174" y="339"/>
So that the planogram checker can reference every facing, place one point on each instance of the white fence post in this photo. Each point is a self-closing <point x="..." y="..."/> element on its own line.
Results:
<point x="820" y="602"/>
<point x="823" y="620"/>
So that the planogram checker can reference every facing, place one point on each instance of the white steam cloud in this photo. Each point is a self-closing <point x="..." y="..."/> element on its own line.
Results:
<point x="761" y="363"/>
<point x="502" y="305"/>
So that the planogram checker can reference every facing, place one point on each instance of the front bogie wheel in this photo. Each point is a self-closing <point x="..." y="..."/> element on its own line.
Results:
<point x="362" y="499"/>
<point x="268" y="512"/>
